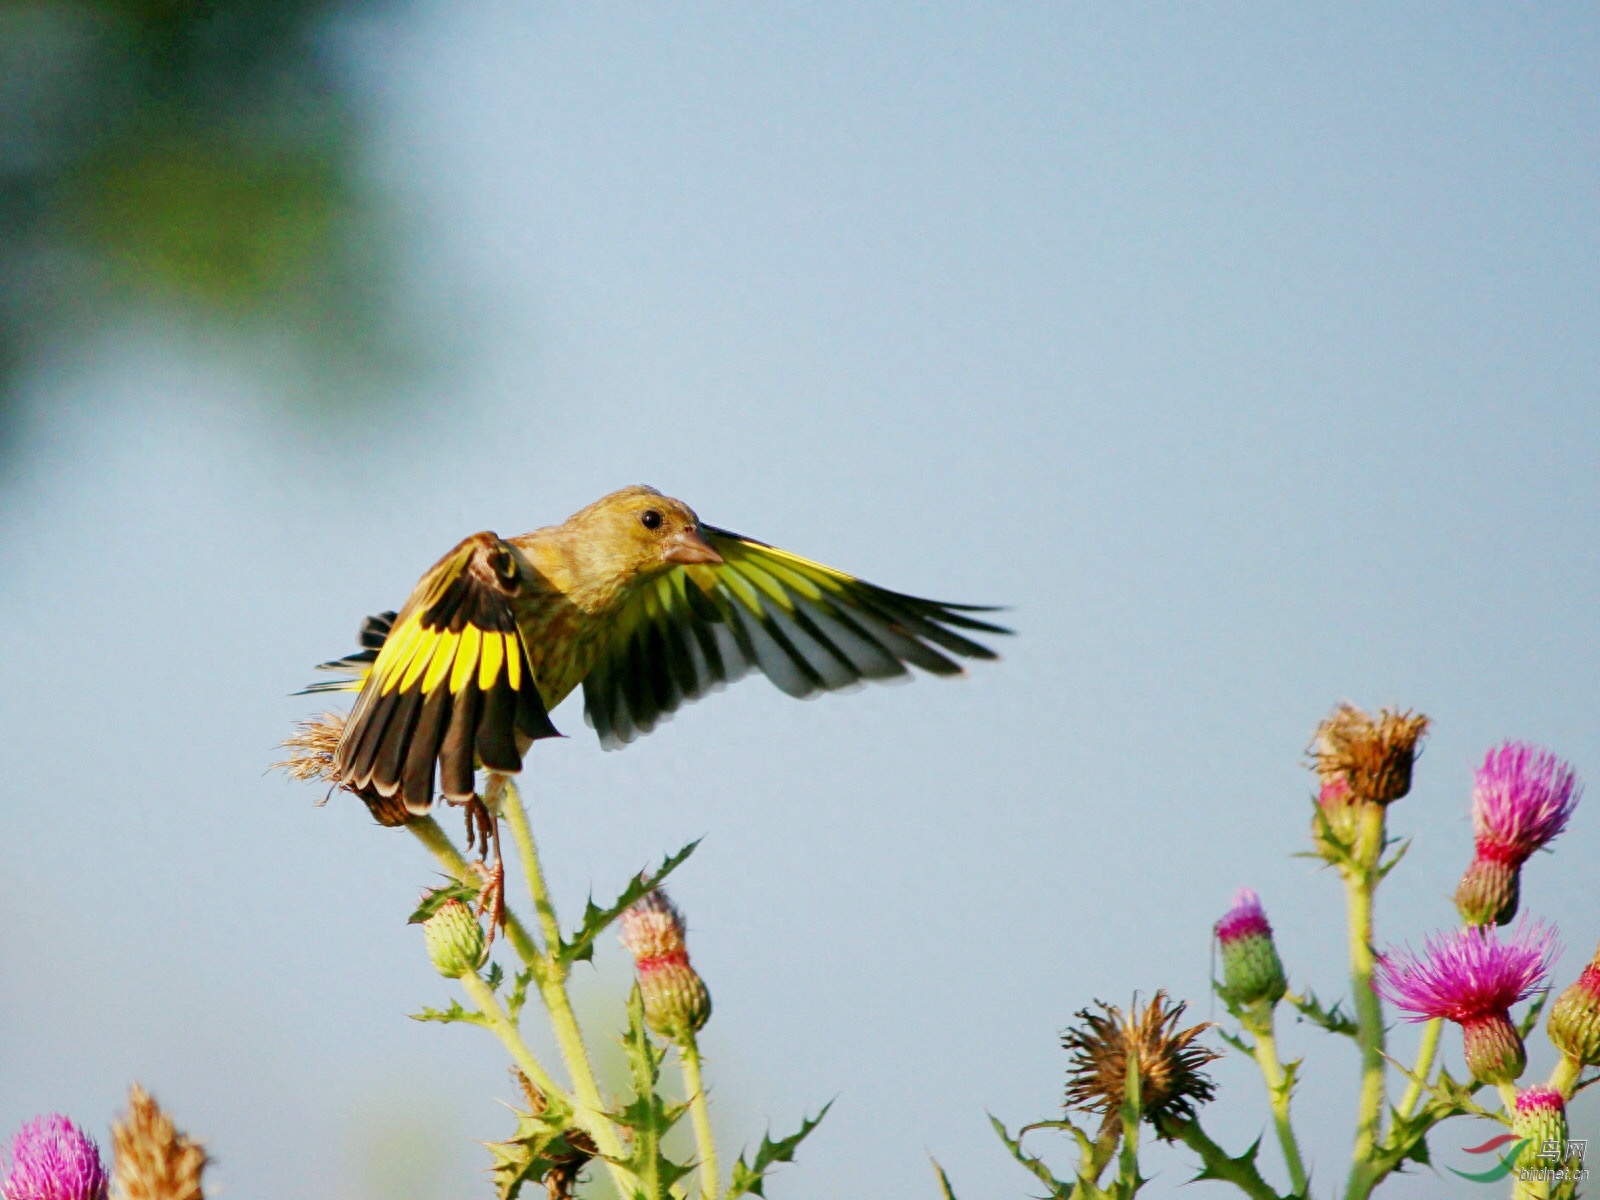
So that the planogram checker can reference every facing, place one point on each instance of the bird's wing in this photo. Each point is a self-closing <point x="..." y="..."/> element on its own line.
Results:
<point x="806" y="627"/>
<point x="449" y="685"/>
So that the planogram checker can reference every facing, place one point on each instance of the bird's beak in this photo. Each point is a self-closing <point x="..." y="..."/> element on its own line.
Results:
<point x="687" y="548"/>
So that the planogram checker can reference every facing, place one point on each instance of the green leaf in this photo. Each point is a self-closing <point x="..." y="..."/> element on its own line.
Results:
<point x="461" y="890"/>
<point x="647" y="1114"/>
<point x="1058" y="1189"/>
<point x="1232" y="1169"/>
<point x="455" y="1012"/>
<point x="1531" y="1017"/>
<point x="542" y="1143"/>
<point x="596" y="919"/>
<point x="519" y="993"/>
<point x="1238" y="1043"/>
<point x="494" y="977"/>
<point x="1394" y="859"/>
<point x="749" y="1178"/>
<point x="946" y="1192"/>
<point x="1330" y="1019"/>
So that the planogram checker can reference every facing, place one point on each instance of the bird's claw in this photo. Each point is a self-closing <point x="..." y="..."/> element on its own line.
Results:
<point x="483" y="835"/>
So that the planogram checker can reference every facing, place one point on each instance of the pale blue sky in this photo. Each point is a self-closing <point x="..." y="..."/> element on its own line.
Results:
<point x="1250" y="353"/>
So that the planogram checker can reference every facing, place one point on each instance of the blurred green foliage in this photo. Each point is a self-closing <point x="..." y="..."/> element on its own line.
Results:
<point x="198" y="161"/>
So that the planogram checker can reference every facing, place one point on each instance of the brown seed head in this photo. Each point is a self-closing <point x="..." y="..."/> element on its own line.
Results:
<point x="153" y="1160"/>
<point x="1373" y="757"/>
<point x="311" y="758"/>
<point x="1171" y="1084"/>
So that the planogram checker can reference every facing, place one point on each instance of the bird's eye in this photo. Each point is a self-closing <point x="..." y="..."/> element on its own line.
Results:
<point x="650" y="519"/>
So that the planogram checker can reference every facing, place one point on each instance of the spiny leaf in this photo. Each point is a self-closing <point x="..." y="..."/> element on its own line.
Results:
<point x="1238" y="1043"/>
<point x="454" y="1013"/>
<point x="596" y="919"/>
<point x="541" y="1143"/>
<point x="647" y="1114"/>
<point x="1086" y="1144"/>
<point x="1394" y="860"/>
<point x="1330" y="1019"/>
<point x="1244" y="1162"/>
<point x="494" y="977"/>
<point x="1058" y="1189"/>
<point x="750" y="1178"/>
<point x="946" y="1192"/>
<point x="1531" y="1017"/>
<point x="519" y="993"/>
<point x="462" y="890"/>
<point x="1408" y="1137"/>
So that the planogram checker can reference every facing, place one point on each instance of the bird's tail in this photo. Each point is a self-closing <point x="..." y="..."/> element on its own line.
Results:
<point x="374" y="632"/>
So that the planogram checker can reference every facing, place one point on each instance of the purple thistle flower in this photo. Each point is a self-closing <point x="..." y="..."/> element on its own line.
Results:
<point x="1245" y="919"/>
<point x="51" y="1159"/>
<point x="1252" y="972"/>
<point x="1522" y="797"/>
<point x="1472" y="978"/>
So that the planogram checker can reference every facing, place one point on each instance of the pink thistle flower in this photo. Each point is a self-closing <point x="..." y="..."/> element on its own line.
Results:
<point x="1252" y="972"/>
<point x="676" y="1002"/>
<point x="51" y="1159"/>
<point x="1472" y="978"/>
<point x="1522" y="798"/>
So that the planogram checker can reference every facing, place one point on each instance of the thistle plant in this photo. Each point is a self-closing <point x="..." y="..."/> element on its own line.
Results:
<point x="566" y="1130"/>
<point x="1140" y="1071"/>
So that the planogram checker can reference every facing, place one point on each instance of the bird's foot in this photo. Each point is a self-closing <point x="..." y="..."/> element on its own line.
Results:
<point x="483" y="835"/>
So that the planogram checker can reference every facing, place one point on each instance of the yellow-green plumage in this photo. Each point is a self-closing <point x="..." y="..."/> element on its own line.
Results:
<point x="637" y="601"/>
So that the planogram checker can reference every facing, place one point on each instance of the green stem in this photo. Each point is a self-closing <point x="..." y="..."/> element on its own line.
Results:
<point x="552" y="975"/>
<point x="509" y="805"/>
<point x="1128" y="1180"/>
<point x="1426" y="1050"/>
<point x="505" y="1029"/>
<point x="700" y="1112"/>
<point x="1508" y="1098"/>
<point x="1241" y="1172"/>
<point x="1565" y="1076"/>
<point x="1260" y="1024"/>
<point x="590" y="1109"/>
<point x="1361" y="881"/>
<point x="427" y="831"/>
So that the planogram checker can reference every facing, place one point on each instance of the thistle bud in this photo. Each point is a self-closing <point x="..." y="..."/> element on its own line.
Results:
<point x="1373" y="757"/>
<point x="1252" y="972"/>
<point x="1574" y="1024"/>
<point x="676" y="1002"/>
<point x="1337" y="820"/>
<point x="1541" y="1120"/>
<point x="1493" y="1048"/>
<point x="454" y="940"/>
<point x="1489" y="891"/>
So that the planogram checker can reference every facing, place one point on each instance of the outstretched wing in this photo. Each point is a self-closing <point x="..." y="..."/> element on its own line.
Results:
<point x="806" y="627"/>
<point x="450" y="685"/>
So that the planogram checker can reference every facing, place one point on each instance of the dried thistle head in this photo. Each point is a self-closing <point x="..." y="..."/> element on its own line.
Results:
<point x="1373" y="757"/>
<point x="561" y="1177"/>
<point x="153" y="1160"/>
<point x="311" y="748"/>
<point x="1171" y="1084"/>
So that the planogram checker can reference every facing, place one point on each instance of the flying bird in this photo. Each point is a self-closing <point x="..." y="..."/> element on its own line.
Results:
<point x="636" y="600"/>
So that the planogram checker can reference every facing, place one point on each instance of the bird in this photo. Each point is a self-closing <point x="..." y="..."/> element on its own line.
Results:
<point x="632" y="598"/>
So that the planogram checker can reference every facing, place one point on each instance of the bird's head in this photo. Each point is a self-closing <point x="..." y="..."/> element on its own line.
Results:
<point x="642" y="532"/>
